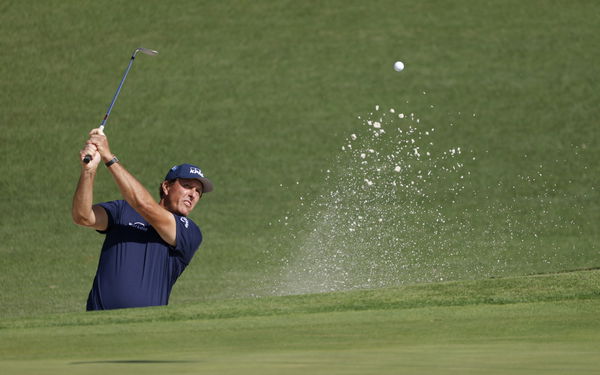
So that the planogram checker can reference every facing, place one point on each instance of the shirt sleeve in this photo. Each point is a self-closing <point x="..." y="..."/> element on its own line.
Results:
<point x="188" y="237"/>
<point x="113" y="210"/>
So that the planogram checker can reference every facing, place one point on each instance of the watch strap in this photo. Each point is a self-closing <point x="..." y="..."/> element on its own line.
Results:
<point x="111" y="162"/>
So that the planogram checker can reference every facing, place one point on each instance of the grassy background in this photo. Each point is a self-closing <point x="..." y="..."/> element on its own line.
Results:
<point x="262" y="95"/>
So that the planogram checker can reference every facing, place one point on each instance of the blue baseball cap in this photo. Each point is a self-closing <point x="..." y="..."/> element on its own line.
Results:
<point x="189" y="171"/>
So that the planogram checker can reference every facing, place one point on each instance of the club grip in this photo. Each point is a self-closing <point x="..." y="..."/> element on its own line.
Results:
<point x="87" y="159"/>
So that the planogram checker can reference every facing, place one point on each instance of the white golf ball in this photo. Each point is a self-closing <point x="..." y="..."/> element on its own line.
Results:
<point x="398" y="66"/>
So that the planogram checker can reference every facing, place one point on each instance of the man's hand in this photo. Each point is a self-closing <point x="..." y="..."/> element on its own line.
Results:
<point x="99" y="141"/>
<point x="92" y="150"/>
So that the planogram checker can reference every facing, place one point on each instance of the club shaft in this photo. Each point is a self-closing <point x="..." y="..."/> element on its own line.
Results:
<point x="88" y="158"/>
<point x="114" y="99"/>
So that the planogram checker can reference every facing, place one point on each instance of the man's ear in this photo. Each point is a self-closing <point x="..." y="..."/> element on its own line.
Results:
<point x="165" y="187"/>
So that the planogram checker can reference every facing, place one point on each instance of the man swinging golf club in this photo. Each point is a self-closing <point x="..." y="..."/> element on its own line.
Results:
<point x="147" y="244"/>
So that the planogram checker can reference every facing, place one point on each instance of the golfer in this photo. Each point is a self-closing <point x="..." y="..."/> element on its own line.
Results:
<point x="147" y="244"/>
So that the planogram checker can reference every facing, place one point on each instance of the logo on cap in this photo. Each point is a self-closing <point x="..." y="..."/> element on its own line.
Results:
<point x="196" y="171"/>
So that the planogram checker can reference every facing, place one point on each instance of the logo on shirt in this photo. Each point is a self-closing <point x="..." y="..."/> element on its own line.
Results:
<point x="184" y="221"/>
<point x="138" y="225"/>
<point x="196" y="171"/>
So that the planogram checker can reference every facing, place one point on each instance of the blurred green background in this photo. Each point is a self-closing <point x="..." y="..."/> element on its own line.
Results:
<point x="262" y="95"/>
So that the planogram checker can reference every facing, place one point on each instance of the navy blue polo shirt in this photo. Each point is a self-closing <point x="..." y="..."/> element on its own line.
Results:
<point x="137" y="268"/>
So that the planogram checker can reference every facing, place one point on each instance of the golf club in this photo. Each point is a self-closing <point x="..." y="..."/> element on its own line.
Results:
<point x="147" y="51"/>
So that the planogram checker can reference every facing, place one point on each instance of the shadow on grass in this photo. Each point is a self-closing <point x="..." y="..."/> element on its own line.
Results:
<point x="131" y="361"/>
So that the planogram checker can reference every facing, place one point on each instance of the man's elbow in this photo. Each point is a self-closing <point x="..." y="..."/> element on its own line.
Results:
<point x="83" y="220"/>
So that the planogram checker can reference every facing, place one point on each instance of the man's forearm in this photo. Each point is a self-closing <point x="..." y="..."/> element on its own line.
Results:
<point x="131" y="189"/>
<point x="81" y="209"/>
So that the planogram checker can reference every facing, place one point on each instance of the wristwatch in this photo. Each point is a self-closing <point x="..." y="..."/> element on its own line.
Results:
<point x="113" y="161"/>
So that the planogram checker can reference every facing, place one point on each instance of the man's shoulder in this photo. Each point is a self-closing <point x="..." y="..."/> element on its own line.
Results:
<point x="189" y="236"/>
<point x="116" y="203"/>
<point x="186" y="222"/>
<point x="120" y="209"/>
<point x="186" y="227"/>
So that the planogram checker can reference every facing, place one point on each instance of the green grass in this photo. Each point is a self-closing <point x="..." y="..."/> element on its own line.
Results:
<point x="538" y="324"/>
<point x="263" y="95"/>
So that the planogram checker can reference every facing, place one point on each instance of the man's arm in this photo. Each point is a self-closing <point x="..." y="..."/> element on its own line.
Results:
<point x="82" y="210"/>
<point x="135" y="194"/>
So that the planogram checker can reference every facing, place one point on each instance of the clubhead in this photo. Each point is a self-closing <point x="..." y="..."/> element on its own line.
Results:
<point x="147" y="51"/>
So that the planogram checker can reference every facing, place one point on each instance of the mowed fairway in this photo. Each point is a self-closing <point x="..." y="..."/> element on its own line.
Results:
<point x="531" y="325"/>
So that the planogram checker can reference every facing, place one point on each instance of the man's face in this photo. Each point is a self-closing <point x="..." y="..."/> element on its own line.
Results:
<point x="182" y="195"/>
